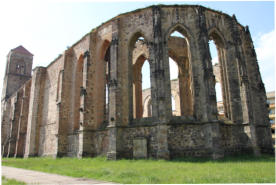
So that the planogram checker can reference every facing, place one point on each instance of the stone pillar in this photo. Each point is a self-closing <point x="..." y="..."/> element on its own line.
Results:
<point x="208" y="80"/>
<point x="17" y="152"/>
<point x="63" y="104"/>
<point x="242" y="73"/>
<point x="137" y="81"/>
<point x="21" y="137"/>
<point x="186" y="98"/>
<point x="224" y="82"/>
<point x="160" y="84"/>
<point x="231" y="71"/>
<point x="160" y="79"/>
<point x="35" y="108"/>
<point x="254" y="99"/>
<point x="213" y="140"/>
<point x="86" y="111"/>
<point x="5" y="127"/>
<point x="114" y="119"/>
<point x="15" y="123"/>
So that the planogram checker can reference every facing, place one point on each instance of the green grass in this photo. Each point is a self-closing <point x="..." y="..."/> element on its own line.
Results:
<point x="6" y="181"/>
<point x="242" y="169"/>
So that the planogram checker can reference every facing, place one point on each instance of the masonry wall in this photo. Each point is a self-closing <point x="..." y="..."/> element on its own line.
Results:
<point x="187" y="139"/>
<point x="48" y="127"/>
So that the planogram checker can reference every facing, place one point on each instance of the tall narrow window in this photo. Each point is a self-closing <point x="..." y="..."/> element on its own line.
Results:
<point x="102" y="83"/>
<point x="146" y="91"/>
<point x="107" y="77"/>
<point x="180" y="73"/>
<point x="215" y="63"/>
<point x="216" y="48"/>
<point x="140" y="75"/>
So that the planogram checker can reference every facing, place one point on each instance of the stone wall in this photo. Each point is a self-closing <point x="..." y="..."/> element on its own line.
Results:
<point x="235" y="139"/>
<point x="187" y="139"/>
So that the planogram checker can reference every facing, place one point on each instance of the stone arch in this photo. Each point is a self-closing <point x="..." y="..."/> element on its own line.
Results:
<point x="133" y="38"/>
<point x="185" y="70"/>
<point x="184" y="30"/>
<point x="217" y="36"/>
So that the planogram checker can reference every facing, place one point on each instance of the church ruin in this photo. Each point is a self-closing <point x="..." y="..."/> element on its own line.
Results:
<point x="88" y="101"/>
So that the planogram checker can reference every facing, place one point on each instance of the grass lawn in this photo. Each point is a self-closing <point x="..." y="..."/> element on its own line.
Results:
<point x="6" y="181"/>
<point x="241" y="169"/>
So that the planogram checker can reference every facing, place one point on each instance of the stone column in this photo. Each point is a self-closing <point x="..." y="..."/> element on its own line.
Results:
<point x="35" y="108"/>
<point x="231" y="71"/>
<point x="160" y="79"/>
<point x="5" y="127"/>
<point x="22" y="129"/>
<point x="185" y="93"/>
<point x="137" y="81"/>
<point x="213" y="140"/>
<point x="208" y="78"/>
<point x="224" y="83"/>
<point x="242" y="73"/>
<point x="86" y="110"/>
<point x="114" y="119"/>
<point x="15" y="123"/>
<point x="160" y="84"/>
<point x="17" y="144"/>
<point x="63" y="103"/>
<point x="254" y="98"/>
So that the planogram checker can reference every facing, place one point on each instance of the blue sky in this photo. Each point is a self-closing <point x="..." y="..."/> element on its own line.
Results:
<point x="47" y="28"/>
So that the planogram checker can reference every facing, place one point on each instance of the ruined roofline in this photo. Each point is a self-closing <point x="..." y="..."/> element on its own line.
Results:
<point x="164" y="6"/>
<point x="142" y="9"/>
<point x="139" y="10"/>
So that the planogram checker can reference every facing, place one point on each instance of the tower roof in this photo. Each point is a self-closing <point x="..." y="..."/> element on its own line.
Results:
<point x="21" y="49"/>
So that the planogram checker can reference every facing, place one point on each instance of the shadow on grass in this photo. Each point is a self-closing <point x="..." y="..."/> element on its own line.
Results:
<point x="234" y="158"/>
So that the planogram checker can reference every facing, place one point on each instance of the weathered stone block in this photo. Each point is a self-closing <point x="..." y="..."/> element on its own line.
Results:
<point x="140" y="148"/>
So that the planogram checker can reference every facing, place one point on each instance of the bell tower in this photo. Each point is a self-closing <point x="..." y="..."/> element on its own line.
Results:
<point x="18" y="70"/>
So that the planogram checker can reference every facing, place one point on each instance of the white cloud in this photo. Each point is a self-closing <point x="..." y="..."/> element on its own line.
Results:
<point x="265" y="49"/>
<point x="265" y="46"/>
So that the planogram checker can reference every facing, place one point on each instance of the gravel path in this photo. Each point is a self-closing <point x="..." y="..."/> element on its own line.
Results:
<point x="35" y="177"/>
